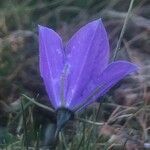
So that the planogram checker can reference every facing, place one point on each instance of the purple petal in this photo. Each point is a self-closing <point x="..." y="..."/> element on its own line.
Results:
<point x="88" y="54"/>
<point x="109" y="77"/>
<point x="51" y="62"/>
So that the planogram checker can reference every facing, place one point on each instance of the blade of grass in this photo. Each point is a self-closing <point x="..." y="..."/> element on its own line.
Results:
<point x="123" y="31"/>
<point x="92" y="128"/>
<point x="90" y="122"/>
<point x="64" y="140"/>
<point x="25" y="127"/>
<point x="83" y="137"/>
<point x="38" y="104"/>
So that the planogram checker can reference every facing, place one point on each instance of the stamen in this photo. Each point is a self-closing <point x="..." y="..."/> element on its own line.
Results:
<point x="63" y="78"/>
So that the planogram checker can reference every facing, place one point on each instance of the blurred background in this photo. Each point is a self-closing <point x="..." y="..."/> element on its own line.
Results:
<point x="19" y="71"/>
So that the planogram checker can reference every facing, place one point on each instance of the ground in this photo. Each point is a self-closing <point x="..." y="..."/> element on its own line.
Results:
<point x="124" y="110"/>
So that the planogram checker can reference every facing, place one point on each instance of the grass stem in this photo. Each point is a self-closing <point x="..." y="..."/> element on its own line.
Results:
<point x="123" y="31"/>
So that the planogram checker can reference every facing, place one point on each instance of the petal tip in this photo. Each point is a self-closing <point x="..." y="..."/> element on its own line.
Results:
<point x="131" y="66"/>
<point x="40" y="27"/>
<point x="97" y="21"/>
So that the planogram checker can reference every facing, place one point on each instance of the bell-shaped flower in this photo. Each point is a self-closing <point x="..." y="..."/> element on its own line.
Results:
<point x="75" y="74"/>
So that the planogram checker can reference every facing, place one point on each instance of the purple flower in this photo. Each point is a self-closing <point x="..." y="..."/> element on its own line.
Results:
<point x="77" y="73"/>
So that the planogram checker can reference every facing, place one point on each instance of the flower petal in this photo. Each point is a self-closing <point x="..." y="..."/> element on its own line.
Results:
<point x="109" y="77"/>
<point x="51" y="62"/>
<point x="88" y="54"/>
